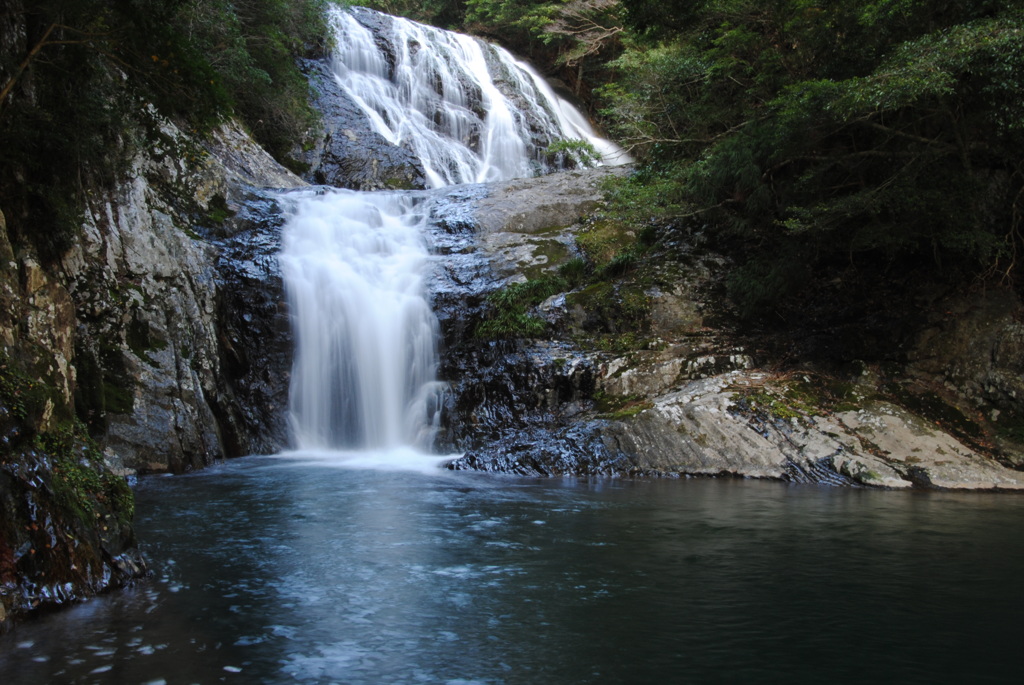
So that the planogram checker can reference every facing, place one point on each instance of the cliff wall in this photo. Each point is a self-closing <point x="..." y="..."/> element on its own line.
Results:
<point x="130" y="355"/>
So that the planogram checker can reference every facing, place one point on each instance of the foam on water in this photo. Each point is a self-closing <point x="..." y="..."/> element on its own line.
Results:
<point x="394" y="459"/>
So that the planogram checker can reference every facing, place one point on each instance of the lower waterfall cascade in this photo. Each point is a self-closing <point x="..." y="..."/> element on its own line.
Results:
<point x="355" y="263"/>
<point x="364" y="372"/>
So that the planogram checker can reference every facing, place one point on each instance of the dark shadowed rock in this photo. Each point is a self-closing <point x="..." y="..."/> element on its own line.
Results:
<point x="254" y="330"/>
<point x="694" y="403"/>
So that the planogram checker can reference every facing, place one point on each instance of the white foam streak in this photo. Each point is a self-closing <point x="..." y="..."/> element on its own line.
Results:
<point x="397" y="459"/>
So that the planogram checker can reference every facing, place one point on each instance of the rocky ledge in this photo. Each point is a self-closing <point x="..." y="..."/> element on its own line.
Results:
<point x="636" y="369"/>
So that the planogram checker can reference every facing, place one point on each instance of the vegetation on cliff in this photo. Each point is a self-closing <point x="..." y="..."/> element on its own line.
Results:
<point x="65" y="516"/>
<point x="85" y="82"/>
<point x="851" y="143"/>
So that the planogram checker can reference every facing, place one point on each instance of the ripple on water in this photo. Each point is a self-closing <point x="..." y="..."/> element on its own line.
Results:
<point x="436" y="579"/>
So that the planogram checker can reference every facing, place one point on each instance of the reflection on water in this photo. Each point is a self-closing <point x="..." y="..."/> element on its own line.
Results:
<point x="273" y="570"/>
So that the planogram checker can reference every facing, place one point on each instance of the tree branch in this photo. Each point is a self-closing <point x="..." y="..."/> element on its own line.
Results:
<point x="9" y="86"/>
<point x="42" y="43"/>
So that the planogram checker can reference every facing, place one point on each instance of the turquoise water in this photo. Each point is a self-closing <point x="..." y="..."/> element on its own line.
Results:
<point x="274" y="571"/>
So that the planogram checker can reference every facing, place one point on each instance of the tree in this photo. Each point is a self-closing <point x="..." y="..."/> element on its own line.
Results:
<point x="820" y="131"/>
<point x="80" y="91"/>
<point x="590" y="26"/>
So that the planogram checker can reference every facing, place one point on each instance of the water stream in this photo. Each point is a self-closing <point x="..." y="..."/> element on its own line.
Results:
<point x="469" y="110"/>
<point x="365" y="368"/>
<point x="354" y="264"/>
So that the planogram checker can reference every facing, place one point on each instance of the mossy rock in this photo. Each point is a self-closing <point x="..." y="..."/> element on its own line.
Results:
<point x="601" y="240"/>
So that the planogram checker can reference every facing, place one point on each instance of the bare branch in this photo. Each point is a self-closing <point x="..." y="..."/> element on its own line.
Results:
<point x="87" y="37"/>
<point x="9" y="86"/>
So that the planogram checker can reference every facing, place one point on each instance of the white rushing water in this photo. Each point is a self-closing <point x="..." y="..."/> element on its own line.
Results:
<point x="366" y="357"/>
<point x="469" y="110"/>
<point x="355" y="264"/>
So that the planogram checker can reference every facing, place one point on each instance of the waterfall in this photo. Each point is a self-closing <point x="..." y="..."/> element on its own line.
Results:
<point x="355" y="264"/>
<point x="366" y="359"/>
<point x="469" y="110"/>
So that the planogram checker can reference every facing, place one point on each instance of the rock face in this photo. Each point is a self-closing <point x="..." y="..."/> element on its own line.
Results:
<point x="976" y="350"/>
<point x="527" y="224"/>
<point x="163" y="331"/>
<point x="154" y="357"/>
<point x="254" y="333"/>
<point x="689" y="401"/>
<point x="347" y="152"/>
<point x="706" y="427"/>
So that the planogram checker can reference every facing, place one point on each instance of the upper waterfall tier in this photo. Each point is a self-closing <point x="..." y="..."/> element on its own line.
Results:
<point x="467" y="109"/>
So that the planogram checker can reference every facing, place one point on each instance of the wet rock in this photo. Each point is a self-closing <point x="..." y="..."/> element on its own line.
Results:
<point x="254" y="330"/>
<point x="462" y="276"/>
<point x="683" y="406"/>
<point x="574" y="450"/>
<point x="346" y="152"/>
<point x="706" y="428"/>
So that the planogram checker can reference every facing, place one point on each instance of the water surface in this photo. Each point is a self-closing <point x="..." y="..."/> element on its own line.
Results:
<point x="286" y="571"/>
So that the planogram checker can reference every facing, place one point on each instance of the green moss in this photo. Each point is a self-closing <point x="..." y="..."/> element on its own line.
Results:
<point x="619" y="265"/>
<point x="141" y="341"/>
<point x="1010" y="427"/>
<point x="546" y="253"/>
<point x="931" y="406"/>
<point x="575" y="272"/>
<point x="617" y="308"/>
<point x="618" y="316"/>
<point x="617" y="407"/>
<point x="526" y="293"/>
<point x="602" y="239"/>
<point x="296" y="166"/>
<point x="807" y="395"/>
<point x="634" y="306"/>
<point x="81" y="482"/>
<point x="631" y="410"/>
<point x="399" y="183"/>
<point x="790" y="399"/>
<point x="117" y="399"/>
<point x="22" y="396"/>
<point x="509" y="317"/>
<point x="619" y="343"/>
<point x="776" y="407"/>
<point x="218" y="211"/>
<point x="511" y="325"/>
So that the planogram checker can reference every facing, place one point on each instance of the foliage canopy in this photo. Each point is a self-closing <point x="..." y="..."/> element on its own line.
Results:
<point x="825" y="134"/>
